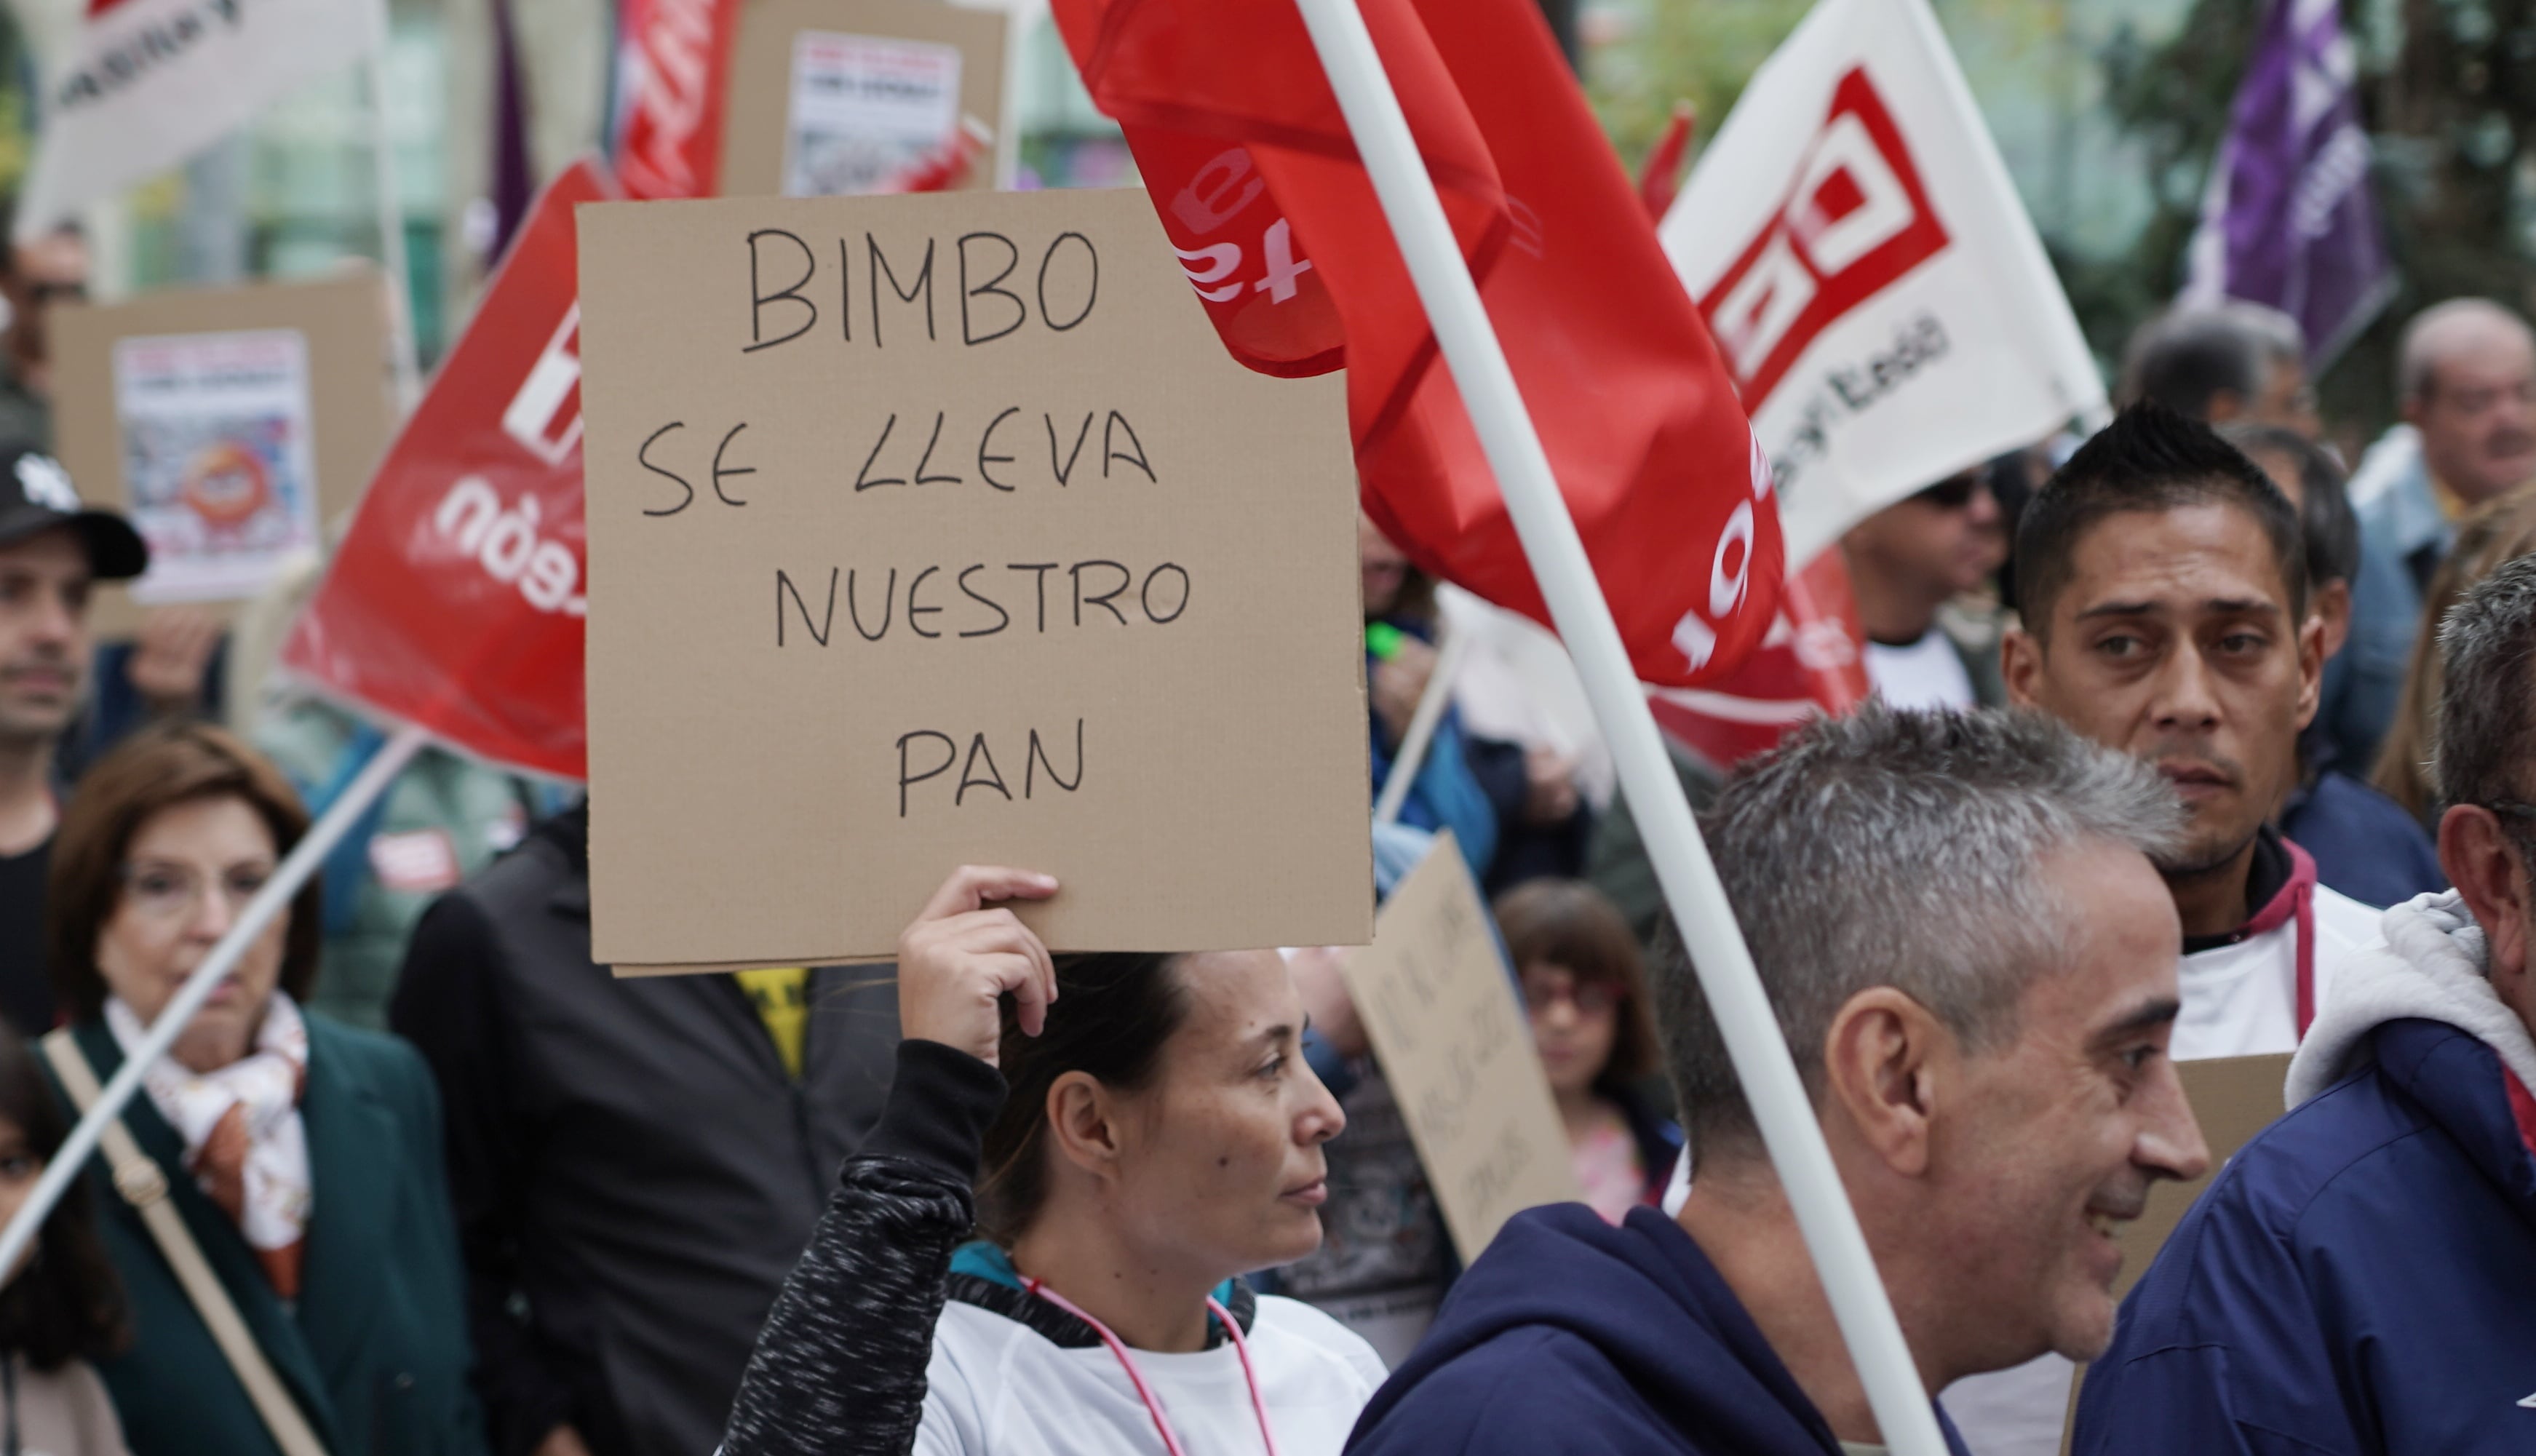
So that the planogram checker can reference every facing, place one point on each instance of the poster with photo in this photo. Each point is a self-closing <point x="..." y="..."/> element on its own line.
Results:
<point x="218" y="458"/>
<point x="867" y="114"/>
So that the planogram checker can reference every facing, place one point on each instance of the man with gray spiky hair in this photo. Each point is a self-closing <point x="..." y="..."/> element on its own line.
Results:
<point x="1974" y="962"/>
<point x="2363" y="1278"/>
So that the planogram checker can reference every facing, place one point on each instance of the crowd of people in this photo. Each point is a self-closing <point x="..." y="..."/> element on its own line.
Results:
<point x="2186" y="743"/>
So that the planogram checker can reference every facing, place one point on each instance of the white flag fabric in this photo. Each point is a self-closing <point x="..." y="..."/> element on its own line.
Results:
<point x="134" y="87"/>
<point x="1870" y="274"/>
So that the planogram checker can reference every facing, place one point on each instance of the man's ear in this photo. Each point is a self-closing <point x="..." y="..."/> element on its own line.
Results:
<point x="1879" y="1058"/>
<point x="2225" y="405"/>
<point x="2310" y="660"/>
<point x="2021" y="664"/>
<point x="1083" y="1123"/>
<point x="2476" y="853"/>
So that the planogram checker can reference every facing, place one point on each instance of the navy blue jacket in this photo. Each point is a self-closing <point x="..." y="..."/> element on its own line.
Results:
<point x="1571" y="1335"/>
<point x="2361" y="1279"/>
<point x="2363" y="843"/>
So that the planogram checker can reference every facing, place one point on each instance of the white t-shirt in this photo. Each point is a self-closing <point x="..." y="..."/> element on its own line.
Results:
<point x="997" y="1387"/>
<point x="2242" y="1000"/>
<point x="1926" y="674"/>
<point x="2239" y="1000"/>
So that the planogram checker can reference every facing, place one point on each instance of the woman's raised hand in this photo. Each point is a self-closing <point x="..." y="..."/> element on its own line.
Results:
<point x="964" y="951"/>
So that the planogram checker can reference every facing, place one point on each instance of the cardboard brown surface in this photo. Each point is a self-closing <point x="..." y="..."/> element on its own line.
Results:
<point x="1454" y="1045"/>
<point x="756" y="127"/>
<point x="1200" y="776"/>
<point x="2233" y="1098"/>
<point x="344" y="323"/>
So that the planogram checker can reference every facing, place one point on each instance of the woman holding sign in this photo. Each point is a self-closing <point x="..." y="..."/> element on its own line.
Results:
<point x="1148" y="1130"/>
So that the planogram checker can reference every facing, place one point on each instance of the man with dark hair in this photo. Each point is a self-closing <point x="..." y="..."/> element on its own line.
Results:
<point x="2236" y="361"/>
<point x="1906" y="562"/>
<point x="1977" y="986"/>
<point x="2162" y="586"/>
<point x="2164" y="614"/>
<point x="2364" y="844"/>
<point x="52" y="550"/>
<point x="2363" y="1280"/>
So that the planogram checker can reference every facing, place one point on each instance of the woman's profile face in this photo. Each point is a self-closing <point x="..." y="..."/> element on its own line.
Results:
<point x="1225" y="1163"/>
<point x="189" y="870"/>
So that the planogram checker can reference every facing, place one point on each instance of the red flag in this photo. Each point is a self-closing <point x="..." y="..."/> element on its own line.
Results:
<point x="673" y="77"/>
<point x="1661" y="177"/>
<point x="1813" y="662"/>
<point x="1640" y="419"/>
<point x="457" y="600"/>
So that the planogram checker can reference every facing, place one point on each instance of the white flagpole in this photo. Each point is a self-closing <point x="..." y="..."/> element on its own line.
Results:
<point x="1682" y="866"/>
<point x="391" y="208"/>
<point x="268" y="903"/>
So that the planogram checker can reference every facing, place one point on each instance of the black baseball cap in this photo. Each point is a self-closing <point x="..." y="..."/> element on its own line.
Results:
<point x="35" y="494"/>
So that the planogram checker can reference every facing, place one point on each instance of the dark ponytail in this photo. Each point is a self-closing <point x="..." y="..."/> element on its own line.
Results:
<point x="1113" y="1012"/>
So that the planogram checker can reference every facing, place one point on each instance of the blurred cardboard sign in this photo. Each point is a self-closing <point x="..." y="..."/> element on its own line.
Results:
<point x="231" y="424"/>
<point x="964" y="543"/>
<point x="846" y="97"/>
<point x="1456" y="1047"/>
<point x="2233" y="1097"/>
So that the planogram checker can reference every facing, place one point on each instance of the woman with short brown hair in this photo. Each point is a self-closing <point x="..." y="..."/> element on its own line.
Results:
<point x="302" y="1156"/>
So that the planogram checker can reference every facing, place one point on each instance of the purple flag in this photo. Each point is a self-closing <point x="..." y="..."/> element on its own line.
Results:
<point x="514" y="182"/>
<point x="2289" y="219"/>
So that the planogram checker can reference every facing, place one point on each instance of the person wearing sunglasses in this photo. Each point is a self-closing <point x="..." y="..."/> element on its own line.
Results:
<point x="1125" y="1134"/>
<point x="1905" y="563"/>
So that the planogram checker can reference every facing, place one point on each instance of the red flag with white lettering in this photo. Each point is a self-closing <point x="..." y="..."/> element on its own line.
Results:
<point x="455" y="601"/>
<point x="1651" y="450"/>
<point x="1813" y="661"/>
<point x="672" y="79"/>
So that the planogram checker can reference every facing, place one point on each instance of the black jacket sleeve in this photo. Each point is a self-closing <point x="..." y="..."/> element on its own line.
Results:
<point x="839" y="1366"/>
<point x="447" y="1005"/>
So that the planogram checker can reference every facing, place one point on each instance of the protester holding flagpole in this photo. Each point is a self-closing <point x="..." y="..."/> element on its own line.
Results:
<point x="1146" y="1129"/>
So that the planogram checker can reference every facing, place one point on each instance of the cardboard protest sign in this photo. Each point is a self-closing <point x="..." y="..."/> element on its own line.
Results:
<point x="938" y="530"/>
<point x="229" y="424"/>
<point x="2233" y="1098"/>
<point x="1454" y="1045"/>
<point x="846" y="97"/>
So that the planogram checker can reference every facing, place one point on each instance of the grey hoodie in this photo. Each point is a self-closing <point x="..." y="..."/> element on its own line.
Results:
<point x="2431" y="966"/>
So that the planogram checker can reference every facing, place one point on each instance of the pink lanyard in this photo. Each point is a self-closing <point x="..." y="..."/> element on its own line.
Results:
<point x="2294" y="901"/>
<point x="1136" y="1377"/>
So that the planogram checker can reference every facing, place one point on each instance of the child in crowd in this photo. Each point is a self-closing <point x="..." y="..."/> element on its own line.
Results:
<point x="61" y="1306"/>
<point x="1585" y="985"/>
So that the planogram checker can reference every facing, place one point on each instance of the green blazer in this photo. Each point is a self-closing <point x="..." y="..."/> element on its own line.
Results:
<point x="376" y="1350"/>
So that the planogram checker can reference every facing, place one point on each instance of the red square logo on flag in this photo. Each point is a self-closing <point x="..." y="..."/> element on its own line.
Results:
<point x="1855" y="222"/>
